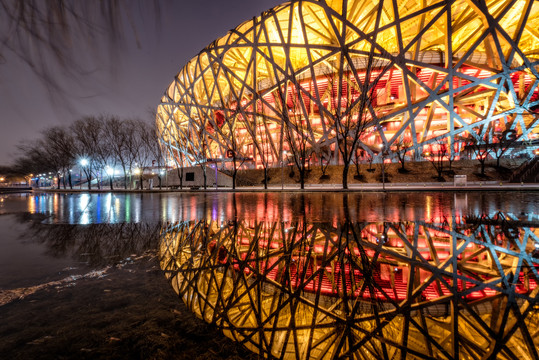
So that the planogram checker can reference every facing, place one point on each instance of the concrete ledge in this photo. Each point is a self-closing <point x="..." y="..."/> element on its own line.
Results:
<point x="14" y="189"/>
<point x="389" y="187"/>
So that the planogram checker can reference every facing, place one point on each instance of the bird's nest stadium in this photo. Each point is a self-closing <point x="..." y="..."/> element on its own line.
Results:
<point x="402" y="76"/>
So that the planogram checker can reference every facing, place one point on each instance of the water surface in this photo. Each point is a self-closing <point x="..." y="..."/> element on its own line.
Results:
<point x="292" y="260"/>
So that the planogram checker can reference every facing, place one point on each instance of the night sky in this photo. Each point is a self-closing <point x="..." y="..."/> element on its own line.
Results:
<point x="129" y="83"/>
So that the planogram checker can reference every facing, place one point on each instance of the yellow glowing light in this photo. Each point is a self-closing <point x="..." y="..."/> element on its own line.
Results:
<point x="239" y="78"/>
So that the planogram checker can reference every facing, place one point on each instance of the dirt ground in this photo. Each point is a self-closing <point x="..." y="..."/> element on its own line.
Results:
<point x="423" y="171"/>
<point x="132" y="313"/>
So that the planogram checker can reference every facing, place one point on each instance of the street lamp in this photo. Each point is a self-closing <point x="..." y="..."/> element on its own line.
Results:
<point x="282" y="169"/>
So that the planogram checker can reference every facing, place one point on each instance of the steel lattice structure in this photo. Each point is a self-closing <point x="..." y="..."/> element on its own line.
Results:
<point x="444" y="69"/>
<point x="453" y="290"/>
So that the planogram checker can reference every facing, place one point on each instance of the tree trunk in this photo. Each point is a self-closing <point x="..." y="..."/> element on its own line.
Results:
<point x="265" y="177"/>
<point x="234" y="171"/>
<point x="345" y="175"/>
<point x="58" y="182"/>
<point x="180" y="176"/>
<point x="70" y="181"/>
<point x="125" y="177"/>
<point x="89" y="180"/>
<point x="205" y="178"/>
<point x="111" y="183"/>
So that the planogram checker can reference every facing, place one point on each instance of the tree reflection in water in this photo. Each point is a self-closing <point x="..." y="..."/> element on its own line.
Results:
<point x="93" y="244"/>
<point x="454" y="289"/>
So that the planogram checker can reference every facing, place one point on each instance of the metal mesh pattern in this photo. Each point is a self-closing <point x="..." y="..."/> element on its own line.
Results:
<point x="444" y="70"/>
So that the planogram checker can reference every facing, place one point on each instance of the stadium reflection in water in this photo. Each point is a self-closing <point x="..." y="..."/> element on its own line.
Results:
<point x="456" y="287"/>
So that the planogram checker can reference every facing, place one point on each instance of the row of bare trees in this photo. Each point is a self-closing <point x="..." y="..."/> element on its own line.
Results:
<point x="99" y="146"/>
<point x="481" y="144"/>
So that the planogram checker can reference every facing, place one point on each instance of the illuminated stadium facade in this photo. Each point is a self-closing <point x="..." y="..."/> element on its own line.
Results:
<point x="437" y="73"/>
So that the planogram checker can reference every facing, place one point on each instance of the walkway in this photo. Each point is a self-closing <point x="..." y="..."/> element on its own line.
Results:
<point x="430" y="186"/>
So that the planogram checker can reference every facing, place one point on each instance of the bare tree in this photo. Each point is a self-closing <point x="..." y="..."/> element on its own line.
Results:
<point x="59" y="145"/>
<point x="369" y="155"/>
<point x="437" y="156"/>
<point x="104" y="153"/>
<point x="263" y="142"/>
<point x="88" y="134"/>
<point x="359" y="156"/>
<point x="400" y="149"/>
<point x="503" y="141"/>
<point x="351" y="111"/>
<point x="480" y="144"/>
<point x="297" y="129"/>
<point x="52" y="153"/>
<point x="143" y="152"/>
<point x="35" y="159"/>
<point x="179" y="158"/>
<point x="132" y="146"/>
<point x="116" y="134"/>
<point x="324" y="157"/>
<point x="150" y="140"/>
<point x="234" y="144"/>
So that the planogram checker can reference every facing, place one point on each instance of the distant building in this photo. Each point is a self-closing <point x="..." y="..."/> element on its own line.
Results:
<point x="439" y="72"/>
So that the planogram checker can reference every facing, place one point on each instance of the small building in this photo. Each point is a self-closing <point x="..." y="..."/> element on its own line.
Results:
<point x="193" y="177"/>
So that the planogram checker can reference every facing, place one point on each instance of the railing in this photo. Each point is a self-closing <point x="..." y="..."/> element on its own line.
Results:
<point x="524" y="170"/>
<point x="532" y="172"/>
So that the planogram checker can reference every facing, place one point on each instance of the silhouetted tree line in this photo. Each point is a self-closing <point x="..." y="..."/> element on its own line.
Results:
<point x="93" y="244"/>
<point x="100" y="148"/>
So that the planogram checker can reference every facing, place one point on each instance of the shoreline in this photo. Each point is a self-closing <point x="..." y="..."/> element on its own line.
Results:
<point x="389" y="187"/>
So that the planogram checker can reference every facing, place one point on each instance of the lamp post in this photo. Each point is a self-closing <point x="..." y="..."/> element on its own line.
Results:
<point x="216" y="184"/>
<point x="282" y="169"/>
<point x="383" y="153"/>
